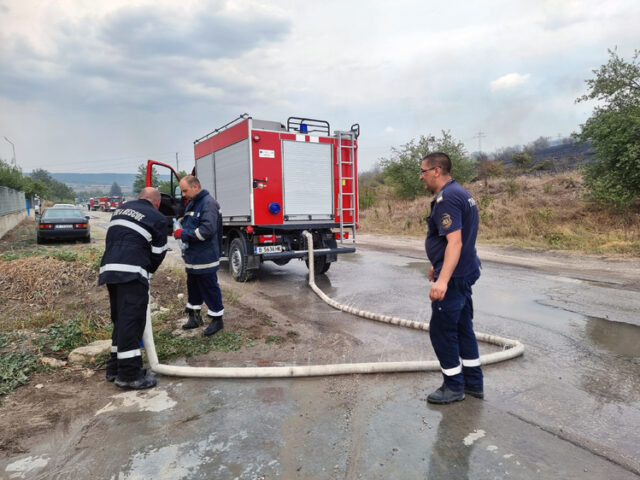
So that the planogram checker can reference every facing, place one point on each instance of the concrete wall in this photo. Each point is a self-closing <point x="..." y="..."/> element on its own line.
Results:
<point x="7" y="222"/>
<point x="12" y="209"/>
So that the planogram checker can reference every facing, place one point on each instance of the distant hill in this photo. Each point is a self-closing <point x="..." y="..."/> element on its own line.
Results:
<point x="93" y="181"/>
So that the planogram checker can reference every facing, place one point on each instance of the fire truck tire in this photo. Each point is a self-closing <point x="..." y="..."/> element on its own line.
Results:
<point x="238" y="261"/>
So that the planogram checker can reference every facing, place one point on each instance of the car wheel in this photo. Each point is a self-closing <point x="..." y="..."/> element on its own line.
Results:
<point x="238" y="261"/>
<point x="39" y="240"/>
<point x="87" y="239"/>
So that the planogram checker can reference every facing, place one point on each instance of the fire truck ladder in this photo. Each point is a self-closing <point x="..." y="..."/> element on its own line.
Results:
<point x="346" y="200"/>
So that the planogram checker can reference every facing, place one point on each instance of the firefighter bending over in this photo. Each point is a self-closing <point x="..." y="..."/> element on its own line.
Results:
<point x="136" y="244"/>
<point x="201" y="236"/>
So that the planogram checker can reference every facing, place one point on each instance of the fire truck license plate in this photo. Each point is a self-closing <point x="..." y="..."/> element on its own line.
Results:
<point x="268" y="249"/>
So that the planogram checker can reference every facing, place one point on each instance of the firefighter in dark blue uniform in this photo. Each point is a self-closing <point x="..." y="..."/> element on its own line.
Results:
<point x="451" y="249"/>
<point x="136" y="244"/>
<point x="201" y="236"/>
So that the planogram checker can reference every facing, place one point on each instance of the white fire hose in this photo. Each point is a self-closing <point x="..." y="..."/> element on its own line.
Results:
<point x="510" y="349"/>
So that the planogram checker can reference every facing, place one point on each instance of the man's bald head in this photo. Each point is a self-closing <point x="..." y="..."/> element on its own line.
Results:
<point x="151" y="194"/>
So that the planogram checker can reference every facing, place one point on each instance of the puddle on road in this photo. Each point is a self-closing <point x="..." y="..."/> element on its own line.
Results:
<point x="616" y="337"/>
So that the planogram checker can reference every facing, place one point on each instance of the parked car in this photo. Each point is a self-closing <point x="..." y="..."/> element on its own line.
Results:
<point x="64" y="205"/>
<point x="63" y="223"/>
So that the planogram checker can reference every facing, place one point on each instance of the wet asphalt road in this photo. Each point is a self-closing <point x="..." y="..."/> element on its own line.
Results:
<point x="568" y="409"/>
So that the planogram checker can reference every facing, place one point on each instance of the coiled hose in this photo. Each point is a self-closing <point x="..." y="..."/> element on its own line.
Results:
<point x="510" y="349"/>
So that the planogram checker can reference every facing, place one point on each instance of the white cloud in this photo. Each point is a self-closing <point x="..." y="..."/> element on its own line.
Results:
<point x="389" y="130"/>
<point x="509" y="80"/>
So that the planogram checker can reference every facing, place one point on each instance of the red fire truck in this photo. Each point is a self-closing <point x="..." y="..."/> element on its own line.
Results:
<point x="273" y="182"/>
<point x="114" y="202"/>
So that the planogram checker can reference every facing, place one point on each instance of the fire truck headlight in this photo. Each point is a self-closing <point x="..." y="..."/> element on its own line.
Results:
<point x="274" y="207"/>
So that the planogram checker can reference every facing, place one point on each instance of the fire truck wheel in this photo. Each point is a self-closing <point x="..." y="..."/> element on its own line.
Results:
<point x="238" y="261"/>
<point x="320" y="264"/>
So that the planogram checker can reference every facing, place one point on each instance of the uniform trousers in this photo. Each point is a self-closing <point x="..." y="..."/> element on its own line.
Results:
<point x="128" y="302"/>
<point x="204" y="288"/>
<point x="453" y="338"/>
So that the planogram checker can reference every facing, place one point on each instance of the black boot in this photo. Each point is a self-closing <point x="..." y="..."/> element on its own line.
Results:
<point x="194" y="321"/>
<point x="142" y="381"/>
<point x="215" y="326"/>
<point x="112" y="367"/>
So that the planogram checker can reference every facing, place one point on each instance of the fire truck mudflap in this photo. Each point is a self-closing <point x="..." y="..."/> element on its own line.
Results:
<point x="273" y="182"/>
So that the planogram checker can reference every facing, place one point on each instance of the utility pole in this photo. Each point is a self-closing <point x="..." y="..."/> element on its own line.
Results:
<point x="177" y="164"/>
<point x="479" y="136"/>
<point x="13" y="160"/>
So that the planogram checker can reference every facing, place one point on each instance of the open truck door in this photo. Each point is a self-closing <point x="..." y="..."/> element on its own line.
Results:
<point x="172" y="204"/>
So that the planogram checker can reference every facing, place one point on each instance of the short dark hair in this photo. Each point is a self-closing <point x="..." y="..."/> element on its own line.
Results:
<point x="192" y="180"/>
<point x="439" y="159"/>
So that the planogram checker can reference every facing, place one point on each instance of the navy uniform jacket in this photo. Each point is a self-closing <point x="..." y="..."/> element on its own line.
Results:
<point x="202" y="234"/>
<point x="136" y="243"/>
<point x="452" y="209"/>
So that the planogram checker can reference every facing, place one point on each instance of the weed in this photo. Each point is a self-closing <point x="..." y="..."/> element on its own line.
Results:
<point x="407" y="224"/>
<point x="268" y="321"/>
<point x="485" y="201"/>
<point x="546" y="214"/>
<point x="513" y="187"/>
<point x="65" y="255"/>
<point x="15" y="368"/>
<point x="169" y="345"/>
<point x="271" y="339"/>
<point x="292" y="334"/>
<point x="547" y="188"/>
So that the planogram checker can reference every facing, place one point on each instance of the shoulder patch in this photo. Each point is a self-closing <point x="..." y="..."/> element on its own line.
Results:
<point x="445" y="221"/>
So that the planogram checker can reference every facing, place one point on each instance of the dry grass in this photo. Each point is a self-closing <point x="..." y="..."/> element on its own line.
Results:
<point x="538" y="212"/>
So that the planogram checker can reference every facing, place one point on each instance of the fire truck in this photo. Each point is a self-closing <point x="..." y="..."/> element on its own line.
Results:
<point x="114" y="202"/>
<point x="273" y="182"/>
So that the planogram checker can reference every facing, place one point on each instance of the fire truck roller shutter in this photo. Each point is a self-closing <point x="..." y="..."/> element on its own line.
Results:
<point x="308" y="180"/>
<point x="204" y="172"/>
<point x="232" y="179"/>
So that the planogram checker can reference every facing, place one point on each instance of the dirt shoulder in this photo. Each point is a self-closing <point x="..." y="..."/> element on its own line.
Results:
<point x="618" y="271"/>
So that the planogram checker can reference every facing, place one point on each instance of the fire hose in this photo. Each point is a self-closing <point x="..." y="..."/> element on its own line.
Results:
<point x="510" y="349"/>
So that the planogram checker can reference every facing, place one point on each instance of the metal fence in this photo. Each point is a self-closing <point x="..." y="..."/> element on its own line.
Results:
<point x="11" y="201"/>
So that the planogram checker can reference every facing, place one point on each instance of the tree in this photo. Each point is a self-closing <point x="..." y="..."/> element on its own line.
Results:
<point x="115" y="191"/>
<point x="10" y="176"/>
<point x="165" y="186"/>
<point x="141" y="178"/>
<point x="402" y="170"/>
<point x="614" y="131"/>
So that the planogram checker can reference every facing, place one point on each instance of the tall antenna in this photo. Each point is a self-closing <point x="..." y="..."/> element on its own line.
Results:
<point x="480" y="136"/>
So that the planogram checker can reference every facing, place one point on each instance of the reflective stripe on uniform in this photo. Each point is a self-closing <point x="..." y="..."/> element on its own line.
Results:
<point x="194" y="307"/>
<point x="133" y="226"/>
<point x="159" y="249"/>
<point x="450" y="372"/>
<point x="121" y="267"/>
<point x="203" y="266"/>
<point x="129" y="354"/>
<point x="198" y="234"/>
<point x="211" y="313"/>
<point x="114" y="348"/>
<point x="475" y="362"/>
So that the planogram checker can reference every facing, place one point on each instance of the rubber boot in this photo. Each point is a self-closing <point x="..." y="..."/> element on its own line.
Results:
<point x="194" y="321"/>
<point x="112" y="367"/>
<point x="215" y="326"/>
<point x="144" y="380"/>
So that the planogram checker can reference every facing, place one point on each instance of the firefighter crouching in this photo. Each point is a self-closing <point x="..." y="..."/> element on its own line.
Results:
<point x="136" y="244"/>
<point x="201" y="236"/>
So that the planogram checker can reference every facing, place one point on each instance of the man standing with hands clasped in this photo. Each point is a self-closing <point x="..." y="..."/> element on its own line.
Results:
<point x="201" y="236"/>
<point x="451" y="249"/>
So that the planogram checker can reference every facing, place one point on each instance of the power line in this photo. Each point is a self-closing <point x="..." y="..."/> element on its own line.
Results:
<point x="480" y="135"/>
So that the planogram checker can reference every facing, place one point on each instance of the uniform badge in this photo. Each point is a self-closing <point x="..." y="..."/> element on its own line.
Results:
<point x="445" y="221"/>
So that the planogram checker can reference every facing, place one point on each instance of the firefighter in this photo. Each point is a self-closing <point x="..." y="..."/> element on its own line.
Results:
<point x="201" y="236"/>
<point x="136" y="244"/>
<point x="451" y="248"/>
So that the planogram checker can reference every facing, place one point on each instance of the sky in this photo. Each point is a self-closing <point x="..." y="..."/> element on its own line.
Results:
<point x="101" y="86"/>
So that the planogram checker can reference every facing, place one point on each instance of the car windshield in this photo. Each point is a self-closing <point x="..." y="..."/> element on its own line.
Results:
<point x="53" y="213"/>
